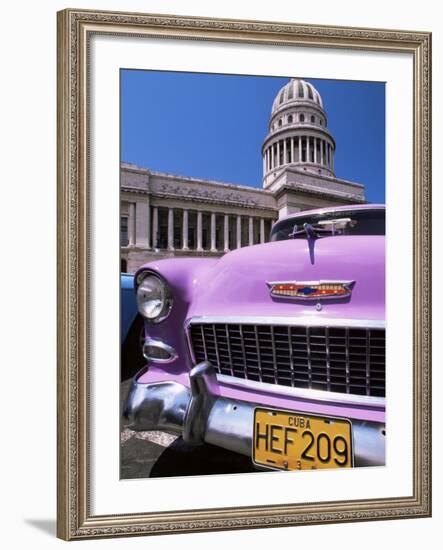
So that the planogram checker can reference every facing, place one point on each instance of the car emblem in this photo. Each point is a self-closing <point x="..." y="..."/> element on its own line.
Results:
<point x="311" y="290"/>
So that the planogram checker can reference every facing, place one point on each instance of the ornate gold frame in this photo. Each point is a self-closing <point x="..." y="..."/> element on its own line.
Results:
<point x="75" y="28"/>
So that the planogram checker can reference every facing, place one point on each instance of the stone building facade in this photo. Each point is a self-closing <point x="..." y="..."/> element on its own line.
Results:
<point x="164" y="215"/>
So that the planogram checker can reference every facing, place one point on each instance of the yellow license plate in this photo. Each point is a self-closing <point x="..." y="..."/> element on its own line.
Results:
<point x="286" y="440"/>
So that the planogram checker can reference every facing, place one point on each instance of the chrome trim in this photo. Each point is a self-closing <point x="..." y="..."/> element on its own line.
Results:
<point x="242" y="344"/>
<point x="200" y="415"/>
<point x="231" y="364"/>
<point x="334" y="221"/>
<point x="204" y="343"/>
<point x="187" y="328"/>
<point x="368" y="362"/>
<point x="347" y="285"/>
<point x="230" y="424"/>
<point x="309" y="359"/>
<point x="204" y="392"/>
<point x="328" y="360"/>
<point x="348" y="363"/>
<point x="161" y="406"/>
<point x="277" y="389"/>
<point x="291" y="357"/>
<point x="274" y="355"/>
<point x="308" y="321"/>
<point x="303" y="393"/>
<point x="161" y="345"/>
<point x="214" y="332"/>
<point x="257" y="343"/>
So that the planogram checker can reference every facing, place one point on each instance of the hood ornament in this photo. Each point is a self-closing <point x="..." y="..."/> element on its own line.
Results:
<point x="311" y="290"/>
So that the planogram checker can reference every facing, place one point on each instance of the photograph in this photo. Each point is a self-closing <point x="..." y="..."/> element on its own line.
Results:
<point x="252" y="273"/>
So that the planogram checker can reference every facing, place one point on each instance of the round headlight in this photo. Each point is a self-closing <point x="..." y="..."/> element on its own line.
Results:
<point x="153" y="298"/>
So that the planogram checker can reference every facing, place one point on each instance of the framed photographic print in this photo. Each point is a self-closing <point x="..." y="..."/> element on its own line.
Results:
<point x="243" y="285"/>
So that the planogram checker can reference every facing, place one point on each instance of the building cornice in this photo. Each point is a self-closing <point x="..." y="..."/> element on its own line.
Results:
<point x="334" y="195"/>
<point x="326" y="178"/>
<point x="215" y="201"/>
<point x="136" y="190"/>
<point x="129" y="167"/>
<point x="177" y="177"/>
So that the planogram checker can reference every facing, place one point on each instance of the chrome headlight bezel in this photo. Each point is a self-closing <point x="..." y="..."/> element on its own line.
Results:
<point x="165" y="295"/>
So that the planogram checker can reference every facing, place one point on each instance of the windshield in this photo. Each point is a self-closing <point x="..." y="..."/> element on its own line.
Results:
<point x="358" y="222"/>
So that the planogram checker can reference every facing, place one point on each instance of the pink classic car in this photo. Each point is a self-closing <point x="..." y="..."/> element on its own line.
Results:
<point x="275" y="351"/>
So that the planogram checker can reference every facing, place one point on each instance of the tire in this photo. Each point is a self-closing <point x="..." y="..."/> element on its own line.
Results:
<point x="132" y="359"/>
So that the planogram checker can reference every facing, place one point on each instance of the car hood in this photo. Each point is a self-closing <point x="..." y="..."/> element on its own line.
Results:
<point x="236" y="285"/>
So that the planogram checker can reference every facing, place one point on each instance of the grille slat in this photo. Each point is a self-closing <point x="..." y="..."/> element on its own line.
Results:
<point x="308" y="349"/>
<point x="257" y="343"/>
<point x="347" y="366"/>
<point x="274" y="356"/>
<point x="339" y="359"/>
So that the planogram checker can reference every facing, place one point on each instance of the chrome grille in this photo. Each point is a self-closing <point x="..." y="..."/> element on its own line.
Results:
<point x="339" y="359"/>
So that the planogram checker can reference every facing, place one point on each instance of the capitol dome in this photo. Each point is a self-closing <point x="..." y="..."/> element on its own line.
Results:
<point x="298" y="136"/>
<point x="296" y="90"/>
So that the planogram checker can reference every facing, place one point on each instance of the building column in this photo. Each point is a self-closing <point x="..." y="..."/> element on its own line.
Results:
<point x="322" y="145"/>
<point x="278" y="153"/>
<point x="185" y="230"/>
<point x="155" y="227"/>
<point x="315" y="150"/>
<point x="226" y="233"/>
<point x="148" y="223"/>
<point x="131" y="224"/>
<point x="170" y="229"/>
<point x="299" y="149"/>
<point x="308" y="149"/>
<point x="199" y="231"/>
<point x="332" y="159"/>
<point x="213" y="243"/>
<point x="285" y="152"/>
<point x="292" y="150"/>
<point x="251" y="230"/>
<point x="264" y="162"/>
<point x="142" y="223"/>
<point x="262" y="230"/>
<point x="238" y="231"/>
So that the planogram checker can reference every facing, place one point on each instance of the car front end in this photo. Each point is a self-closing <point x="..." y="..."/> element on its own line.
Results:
<point x="275" y="351"/>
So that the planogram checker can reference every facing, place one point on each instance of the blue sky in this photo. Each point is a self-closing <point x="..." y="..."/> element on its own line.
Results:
<point x="212" y="126"/>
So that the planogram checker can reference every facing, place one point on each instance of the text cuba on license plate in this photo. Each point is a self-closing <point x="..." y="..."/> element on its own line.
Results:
<point x="292" y="441"/>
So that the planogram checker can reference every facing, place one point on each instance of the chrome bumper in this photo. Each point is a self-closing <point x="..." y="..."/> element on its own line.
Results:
<point x="200" y="415"/>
